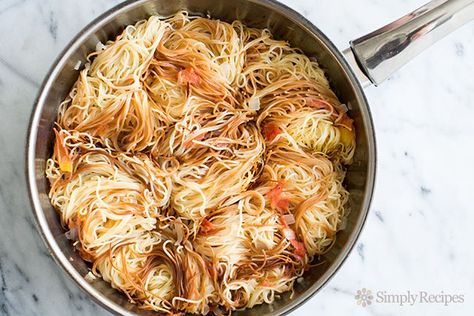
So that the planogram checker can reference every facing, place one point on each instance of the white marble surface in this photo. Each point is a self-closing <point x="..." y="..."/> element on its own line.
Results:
<point x="418" y="236"/>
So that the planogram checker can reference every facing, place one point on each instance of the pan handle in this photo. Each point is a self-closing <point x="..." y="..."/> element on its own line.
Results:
<point x="377" y="55"/>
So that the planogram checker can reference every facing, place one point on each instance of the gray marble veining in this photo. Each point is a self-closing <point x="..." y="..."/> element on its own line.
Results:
<point x="418" y="234"/>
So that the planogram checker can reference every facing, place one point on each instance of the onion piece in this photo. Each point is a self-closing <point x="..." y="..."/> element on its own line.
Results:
<point x="289" y="219"/>
<point x="72" y="234"/>
<point x="99" y="46"/>
<point x="289" y="234"/>
<point x="254" y="103"/>
<point x="89" y="277"/>
<point x="344" y="107"/>
<point x="77" y="65"/>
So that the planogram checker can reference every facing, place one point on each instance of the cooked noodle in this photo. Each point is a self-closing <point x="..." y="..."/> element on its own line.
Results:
<point x="198" y="165"/>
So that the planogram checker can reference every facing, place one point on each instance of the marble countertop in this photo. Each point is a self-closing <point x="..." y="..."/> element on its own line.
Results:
<point x="418" y="233"/>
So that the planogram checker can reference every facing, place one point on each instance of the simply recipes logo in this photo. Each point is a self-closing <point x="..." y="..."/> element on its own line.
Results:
<point x="365" y="297"/>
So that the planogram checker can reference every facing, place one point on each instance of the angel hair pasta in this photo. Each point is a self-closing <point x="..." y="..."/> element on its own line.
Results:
<point x="198" y="165"/>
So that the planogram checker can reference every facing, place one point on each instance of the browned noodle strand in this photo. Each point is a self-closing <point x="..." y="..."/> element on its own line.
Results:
<point x="198" y="164"/>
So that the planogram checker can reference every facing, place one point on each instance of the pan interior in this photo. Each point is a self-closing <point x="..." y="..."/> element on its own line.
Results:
<point x="284" y="24"/>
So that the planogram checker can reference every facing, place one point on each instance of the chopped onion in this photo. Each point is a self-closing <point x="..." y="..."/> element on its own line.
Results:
<point x="289" y="219"/>
<point x="77" y="65"/>
<point x="89" y="277"/>
<point x="72" y="234"/>
<point x="254" y="103"/>
<point x="99" y="46"/>
<point x="289" y="234"/>
<point x="344" y="107"/>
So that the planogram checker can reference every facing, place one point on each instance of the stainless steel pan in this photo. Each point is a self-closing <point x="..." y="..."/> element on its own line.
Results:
<point x="370" y="59"/>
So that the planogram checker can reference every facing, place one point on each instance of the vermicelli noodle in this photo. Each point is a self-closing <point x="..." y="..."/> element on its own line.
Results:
<point x="199" y="165"/>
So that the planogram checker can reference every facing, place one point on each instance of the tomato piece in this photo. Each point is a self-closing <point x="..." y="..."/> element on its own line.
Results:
<point x="200" y="137"/>
<point x="283" y="204"/>
<point x="277" y="201"/>
<point x="189" y="75"/>
<point x="276" y="191"/>
<point x="290" y="235"/>
<point x="300" y="250"/>
<point x="320" y="104"/>
<point x="283" y="221"/>
<point x="207" y="227"/>
<point x="346" y="128"/>
<point x="190" y="142"/>
<point x="346" y="121"/>
<point x="271" y="131"/>
<point x="347" y="137"/>
<point x="265" y="283"/>
<point x="61" y="151"/>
